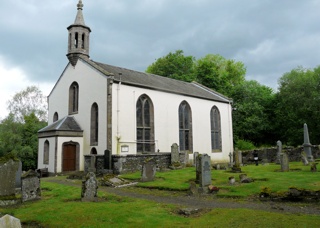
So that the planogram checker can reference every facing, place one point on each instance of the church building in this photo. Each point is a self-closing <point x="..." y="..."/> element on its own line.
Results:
<point x="95" y="107"/>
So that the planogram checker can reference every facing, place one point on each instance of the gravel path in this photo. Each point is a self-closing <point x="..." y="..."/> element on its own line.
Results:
<point x="207" y="202"/>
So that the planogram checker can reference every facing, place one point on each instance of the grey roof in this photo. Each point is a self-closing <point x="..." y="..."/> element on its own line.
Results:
<point x="67" y="123"/>
<point x="157" y="82"/>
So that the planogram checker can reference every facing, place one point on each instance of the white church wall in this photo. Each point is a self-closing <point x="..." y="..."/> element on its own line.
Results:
<point x="166" y="126"/>
<point x="92" y="88"/>
<point x="52" y="144"/>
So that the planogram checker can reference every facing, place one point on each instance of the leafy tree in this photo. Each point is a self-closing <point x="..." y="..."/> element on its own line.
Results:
<point x="25" y="102"/>
<point x="218" y="73"/>
<point x="174" y="65"/>
<point x="253" y="115"/>
<point x="298" y="102"/>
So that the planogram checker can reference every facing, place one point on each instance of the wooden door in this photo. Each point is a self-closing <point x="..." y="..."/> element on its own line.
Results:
<point x="69" y="158"/>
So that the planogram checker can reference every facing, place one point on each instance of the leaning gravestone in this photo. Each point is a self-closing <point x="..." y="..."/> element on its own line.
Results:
<point x="8" y="172"/>
<point x="307" y="145"/>
<point x="148" y="170"/>
<point x="30" y="186"/>
<point x="304" y="158"/>
<point x="279" y="151"/>
<point x="9" y="221"/>
<point x="284" y="159"/>
<point x="205" y="170"/>
<point x="89" y="188"/>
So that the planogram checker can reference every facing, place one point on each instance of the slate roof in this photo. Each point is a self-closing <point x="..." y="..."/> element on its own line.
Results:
<point x="67" y="123"/>
<point x="157" y="82"/>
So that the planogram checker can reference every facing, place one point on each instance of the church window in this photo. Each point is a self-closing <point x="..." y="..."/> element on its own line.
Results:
<point x="145" y="125"/>
<point x="215" y="129"/>
<point x="185" y="127"/>
<point x="93" y="151"/>
<point x="55" y="117"/>
<point x="73" y="98"/>
<point x="46" y="152"/>
<point x="94" y="124"/>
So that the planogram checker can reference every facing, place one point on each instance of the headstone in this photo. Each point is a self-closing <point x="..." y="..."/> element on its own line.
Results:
<point x="89" y="188"/>
<point x="8" y="221"/>
<point x="195" y="155"/>
<point x="232" y="180"/>
<point x="175" y="158"/>
<point x="313" y="167"/>
<point x="238" y="158"/>
<point x="198" y="168"/>
<point x="307" y="145"/>
<point x="230" y="159"/>
<point x="205" y="170"/>
<point x="279" y="151"/>
<point x="244" y="179"/>
<point x="265" y="157"/>
<point x="92" y="167"/>
<point x="8" y="172"/>
<point x="30" y="188"/>
<point x="18" y="175"/>
<point x="284" y="161"/>
<point x="148" y="171"/>
<point x="107" y="159"/>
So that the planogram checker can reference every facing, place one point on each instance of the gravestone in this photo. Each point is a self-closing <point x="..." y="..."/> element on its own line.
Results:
<point x="279" y="151"/>
<point x="89" y="188"/>
<point x="30" y="186"/>
<point x="195" y="155"/>
<point x="313" y="167"/>
<point x="175" y="158"/>
<point x="8" y="221"/>
<point x="148" y="171"/>
<point x="230" y="159"/>
<point x="18" y="175"/>
<point x="107" y="159"/>
<point x="92" y="166"/>
<point x="232" y="180"/>
<point x="265" y="157"/>
<point x="284" y="161"/>
<point x="8" y="171"/>
<point x="205" y="170"/>
<point x="304" y="158"/>
<point x="198" y="168"/>
<point x="238" y="158"/>
<point x="307" y="145"/>
<point x="245" y="179"/>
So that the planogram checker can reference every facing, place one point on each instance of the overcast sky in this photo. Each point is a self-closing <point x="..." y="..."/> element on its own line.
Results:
<point x="270" y="37"/>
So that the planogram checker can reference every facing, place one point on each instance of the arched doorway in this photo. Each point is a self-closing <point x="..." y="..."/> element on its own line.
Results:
<point x="69" y="159"/>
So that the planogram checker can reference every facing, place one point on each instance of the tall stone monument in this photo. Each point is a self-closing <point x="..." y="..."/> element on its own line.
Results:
<point x="307" y="145"/>
<point x="279" y="151"/>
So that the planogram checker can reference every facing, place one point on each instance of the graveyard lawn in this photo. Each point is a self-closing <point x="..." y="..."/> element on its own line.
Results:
<point x="152" y="204"/>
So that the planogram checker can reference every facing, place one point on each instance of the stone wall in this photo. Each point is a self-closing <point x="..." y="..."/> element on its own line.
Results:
<point x="269" y="155"/>
<point x="132" y="163"/>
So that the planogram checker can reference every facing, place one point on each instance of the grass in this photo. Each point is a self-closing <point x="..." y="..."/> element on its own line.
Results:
<point x="269" y="176"/>
<point x="60" y="205"/>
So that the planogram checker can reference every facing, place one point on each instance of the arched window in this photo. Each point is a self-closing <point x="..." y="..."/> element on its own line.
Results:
<point x="93" y="151"/>
<point x="46" y="152"/>
<point x="73" y="98"/>
<point x="55" y="117"/>
<point x="82" y="40"/>
<point x="94" y="124"/>
<point x="185" y="127"/>
<point x="215" y="129"/>
<point x="76" y="40"/>
<point x="145" y="125"/>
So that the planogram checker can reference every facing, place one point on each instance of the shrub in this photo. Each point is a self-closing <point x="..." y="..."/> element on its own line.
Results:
<point x="244" y="145"/>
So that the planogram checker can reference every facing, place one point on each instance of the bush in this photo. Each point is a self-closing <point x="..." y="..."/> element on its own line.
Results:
<point x="244" y="145"/>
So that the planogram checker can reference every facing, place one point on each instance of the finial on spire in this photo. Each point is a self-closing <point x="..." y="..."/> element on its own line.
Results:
<point x="80" y="5"/>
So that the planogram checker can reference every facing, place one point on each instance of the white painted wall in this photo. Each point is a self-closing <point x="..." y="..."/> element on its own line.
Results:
<point x="41" y="142"/>
<point x="166" y="118"/>
<point x="92" y="88"/>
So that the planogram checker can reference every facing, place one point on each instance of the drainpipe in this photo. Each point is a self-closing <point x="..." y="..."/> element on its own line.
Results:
<point x="118" y="115"/>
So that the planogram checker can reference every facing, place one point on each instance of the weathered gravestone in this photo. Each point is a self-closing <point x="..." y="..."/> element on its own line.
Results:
<point x="148" y="170"/>
<point x="8" y="172"/>
<point x="307" y="145"/>
<point x="9" y="221"/>
<point x="304" y="158"/>
<point x="175" y="157"/>
<point x="89" y="188"/>
<point x="92" y="167"/>
<point x="284" y="161"/>
<point x="245" y="179"/>
<point x="195" y="155"/>
<point x="230" y="159"/>
<point x="205" y="170"/>
<point x="30" y="188"/>
<point x="279" y="151"/>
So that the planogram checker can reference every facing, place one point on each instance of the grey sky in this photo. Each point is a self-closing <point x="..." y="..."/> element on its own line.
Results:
<point x="270" y="37"/>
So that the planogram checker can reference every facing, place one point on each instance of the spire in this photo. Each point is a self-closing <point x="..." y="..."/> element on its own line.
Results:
<point x="79" y="18"/>
<point x="78" y="42"/>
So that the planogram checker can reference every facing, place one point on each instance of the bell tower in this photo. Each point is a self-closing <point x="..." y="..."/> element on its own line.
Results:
<point x="78" y="37"/>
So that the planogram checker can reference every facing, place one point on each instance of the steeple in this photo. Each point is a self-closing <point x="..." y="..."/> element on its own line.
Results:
<point x="78" y="41"/>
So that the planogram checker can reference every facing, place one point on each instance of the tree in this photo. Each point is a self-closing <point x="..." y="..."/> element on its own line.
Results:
<point x="298" y="102"/>
<point x="218" y="73"/>
<point x="174" y="65"/>
<point x="25" y="102"/>
<point x="253" y="115"/>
